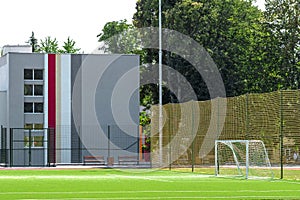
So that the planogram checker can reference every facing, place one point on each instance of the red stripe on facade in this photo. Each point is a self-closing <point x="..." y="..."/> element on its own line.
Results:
<point x="51" y="90"/>
<point x="52" y="105"/>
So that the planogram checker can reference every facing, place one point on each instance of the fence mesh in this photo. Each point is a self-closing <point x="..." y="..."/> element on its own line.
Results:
<point x="273" y="118"/>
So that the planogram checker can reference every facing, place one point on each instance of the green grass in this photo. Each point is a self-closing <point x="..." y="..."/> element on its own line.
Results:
<point x="89" y="184"/>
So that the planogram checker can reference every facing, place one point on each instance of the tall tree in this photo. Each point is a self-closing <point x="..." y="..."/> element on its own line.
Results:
<point x="231" y="31"/>
<point x="49" y="45"/>
<point x="33" y="42"/>
<point x="112" y="36"/>
<point x="283" y="25"/>
<point x="69" y="47"/>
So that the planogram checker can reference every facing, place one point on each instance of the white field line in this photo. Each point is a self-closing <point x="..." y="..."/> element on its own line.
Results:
<point x="150" y="198"/>
<point x="148" y="191"/>
<point x="108" y="176"/>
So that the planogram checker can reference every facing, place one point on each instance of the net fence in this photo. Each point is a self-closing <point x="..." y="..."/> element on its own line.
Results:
<point x="188" y="134"/>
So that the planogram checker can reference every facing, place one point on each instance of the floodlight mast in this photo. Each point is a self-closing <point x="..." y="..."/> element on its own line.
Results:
<point x="160" y="128"/>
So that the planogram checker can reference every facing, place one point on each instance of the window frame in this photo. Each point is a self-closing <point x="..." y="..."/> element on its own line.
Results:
<point x="34" y="108"/>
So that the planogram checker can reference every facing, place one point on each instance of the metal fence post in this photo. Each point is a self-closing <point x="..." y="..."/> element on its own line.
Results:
<point x="29" y="148"/>
<point x="247" y="117"/>
<point x="48" y="147"/>
<point x="281" y="135"/>
<point x="193" y="143"/>
<point x="108" y="141"/>
<point x="169" y="139"/>
<point x="11" y="147"/>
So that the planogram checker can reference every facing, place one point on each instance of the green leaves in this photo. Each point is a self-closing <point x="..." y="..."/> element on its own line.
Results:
<point x="50" y="45"/>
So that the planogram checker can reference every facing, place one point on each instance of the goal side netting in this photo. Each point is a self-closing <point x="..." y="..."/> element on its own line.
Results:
<point x="242" y="158"/>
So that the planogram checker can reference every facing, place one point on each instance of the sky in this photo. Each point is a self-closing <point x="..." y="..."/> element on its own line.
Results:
<point x="81" y="20"/>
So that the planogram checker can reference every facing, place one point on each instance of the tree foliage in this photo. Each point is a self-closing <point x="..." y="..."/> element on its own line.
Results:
<point x="33" y="42"/>
<point x="283" y="24"/>
<point x="255" y="51"/>
<point x="231" y="31"/>
<point x="50" y="45"/>
<point x="69" y="47"/>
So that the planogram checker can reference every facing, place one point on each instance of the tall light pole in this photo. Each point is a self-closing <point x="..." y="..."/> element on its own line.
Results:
<point x="160" y="128"/>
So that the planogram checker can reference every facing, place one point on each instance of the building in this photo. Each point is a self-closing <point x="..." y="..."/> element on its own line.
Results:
<point x="60" y="108"/>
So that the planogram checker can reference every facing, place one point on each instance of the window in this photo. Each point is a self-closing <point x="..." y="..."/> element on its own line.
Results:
<point x="36" y="141"/>
<point x="38" y="107"/>
<point x="28" y="74"/>
<point x="33" y="74"/>
<point x="28" y="107"/>
<point x="33" y="107"/>
<point x="38" y="74"/>
<point x="28" y="90"/>
<point x="36" y="90"/>
<point x="28" y="126"/>
<point x="34" y="126"/>
<point x="38" y="126"/>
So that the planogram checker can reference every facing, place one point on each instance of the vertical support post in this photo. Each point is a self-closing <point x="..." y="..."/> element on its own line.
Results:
<point x="11" y="158"/>
<point x="6" y="148"/>
<point x="138" y="144"/>
<point x="247" y="159"/>
<point x="79" y="144"/>
<point x="108" y="141"/>
<point x="216" y="158"/>
<point x="29" y="148"/>
<point x="193" y="155"/>
<point x="247" y="117"/>
<point x="281" y="135"/>
<point x="169" y="138"/>
<point x="48" y="147"/>
<point x="160" y="85"/>
<point x="193" y="143"/>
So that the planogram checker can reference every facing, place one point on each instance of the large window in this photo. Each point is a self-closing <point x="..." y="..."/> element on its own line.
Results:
<point x="36" y="90"/>
<point x="36" y="139"/>
<point x="33" y="107"/>
<point x="33" y="74"/>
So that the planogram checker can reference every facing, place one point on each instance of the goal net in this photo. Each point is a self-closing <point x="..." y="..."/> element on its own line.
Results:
<point x="244" y="158"/>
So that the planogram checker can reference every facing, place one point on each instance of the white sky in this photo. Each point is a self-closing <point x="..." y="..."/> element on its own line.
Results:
<point x="81" y="20"/>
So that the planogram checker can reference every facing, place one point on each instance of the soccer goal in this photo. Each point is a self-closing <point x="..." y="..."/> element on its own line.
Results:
<point x="243" y="158"/>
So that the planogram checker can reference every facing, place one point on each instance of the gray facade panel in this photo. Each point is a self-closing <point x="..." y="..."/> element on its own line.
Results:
<point x="16" y="118"/>
<point x="3" y="109"/>
<point x="76" y="145"/>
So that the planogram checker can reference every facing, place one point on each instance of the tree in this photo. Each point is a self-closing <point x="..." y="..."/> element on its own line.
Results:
<point x="283" y="25"/>
<point x="69" y="47"/>
<point x="231" y="31"/>
<point x="111" y="35"/>
<point x="33" y="42"/>
<point x="49" y="45"/>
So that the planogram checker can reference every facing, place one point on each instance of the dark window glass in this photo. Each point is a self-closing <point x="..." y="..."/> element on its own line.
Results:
<point x="28" y="107"/>
<point x="38" y="74"/>
<point x="38" y="107"/>
<point x="28" y="74"/>
<point x="38" y="90"/>
<point x="28" y="90"/>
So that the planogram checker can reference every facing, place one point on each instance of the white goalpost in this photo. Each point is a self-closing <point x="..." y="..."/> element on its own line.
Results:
<point x="242" y="158"/>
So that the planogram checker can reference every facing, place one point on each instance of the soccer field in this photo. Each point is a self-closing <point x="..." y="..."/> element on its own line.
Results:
<point x="85" y="184"/>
